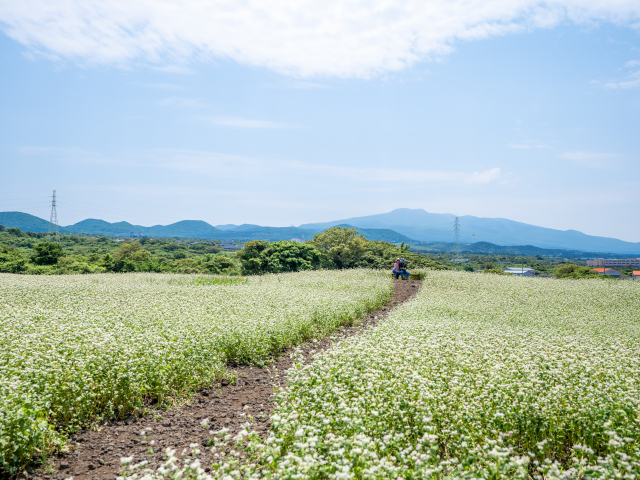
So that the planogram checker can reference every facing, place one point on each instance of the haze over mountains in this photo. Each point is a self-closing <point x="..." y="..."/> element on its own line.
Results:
<point x="425" y="226"/>
<point x="183" y="229"/>
<point x="399" y="225"/>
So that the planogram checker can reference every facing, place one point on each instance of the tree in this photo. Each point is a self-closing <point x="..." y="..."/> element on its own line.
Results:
<point x="46" y="253"/>
<point x="496" y="271"/>
<point x="107" y="262"/>
<point x="291" y="257"/>
<point x="131" y="251"/>
<point x="344" y="246"/>
<point x="570" y="270"/>
<point x="1" y="228"/>
<point x="259" y="257"/>
<point x="250" y="257"/>
<point x="129" y="257"/>
<point x="218" y="264"/>
<point x="11" y="261"/>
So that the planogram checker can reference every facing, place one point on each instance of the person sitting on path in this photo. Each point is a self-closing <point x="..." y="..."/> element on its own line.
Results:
<point x="396" y="268"/>
<point x="403" y="269"/>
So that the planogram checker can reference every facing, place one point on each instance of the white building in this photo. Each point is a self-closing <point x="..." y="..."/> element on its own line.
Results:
<point x="521" y="272"/>
<point x="229" y="245"/>
<point x="299" y="240"/>
<point x="614" y="262"/>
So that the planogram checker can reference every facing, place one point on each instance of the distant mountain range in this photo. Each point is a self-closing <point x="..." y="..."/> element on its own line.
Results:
<point x="400" y="225"/>
<point x="184" y="229"/>
<point x="425" y="226"/>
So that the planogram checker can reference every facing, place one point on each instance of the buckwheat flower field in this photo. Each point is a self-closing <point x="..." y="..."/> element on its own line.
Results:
<point x="479" y="376"/>
<point x="75" y="349"/>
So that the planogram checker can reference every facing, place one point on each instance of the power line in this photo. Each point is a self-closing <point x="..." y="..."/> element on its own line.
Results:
<point x="19" y="205"/>
<point x="24" y="198"/>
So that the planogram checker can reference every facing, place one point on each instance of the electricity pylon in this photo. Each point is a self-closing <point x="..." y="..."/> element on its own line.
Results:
<point x="53" y="221"/>
<point x="456" y="238"/>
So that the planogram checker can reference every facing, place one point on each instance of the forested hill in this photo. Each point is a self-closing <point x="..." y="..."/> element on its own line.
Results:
<point x="438" y="227"/>
<point x="186" y="229"/>
<point x="486" y="248"/>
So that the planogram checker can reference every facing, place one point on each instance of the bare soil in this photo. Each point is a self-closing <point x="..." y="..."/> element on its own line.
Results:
<point x="95" y="455"/>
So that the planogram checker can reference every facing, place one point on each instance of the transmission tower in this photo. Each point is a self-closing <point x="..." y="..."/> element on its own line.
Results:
<point x="456" y="238"/>
<point x="53" y="221"/>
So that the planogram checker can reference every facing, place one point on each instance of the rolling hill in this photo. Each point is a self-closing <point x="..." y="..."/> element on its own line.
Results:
<point x="184" y="229"/>
<point x="425" y="226"/>
<point x="400" y="225"/>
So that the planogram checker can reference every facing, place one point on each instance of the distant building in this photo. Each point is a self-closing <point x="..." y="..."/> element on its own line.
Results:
<point x="129" y="234"/>
<point x="614" y="262"/>
<point x="635" y="274"/>
<point x="608" y="271"/>
<point x="460" y="260"/>
<point x="229" y="245"/>
<point x="194" y="243"/>
<point x="503" y="263"/>
<point x="521" y="272"/>
<point x="299" y="240"/>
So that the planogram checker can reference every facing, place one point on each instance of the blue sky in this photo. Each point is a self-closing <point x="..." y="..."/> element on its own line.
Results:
<point x="518" y="110"/>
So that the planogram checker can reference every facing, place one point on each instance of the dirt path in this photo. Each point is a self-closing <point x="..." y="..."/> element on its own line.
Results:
<point x="96" y="454"/>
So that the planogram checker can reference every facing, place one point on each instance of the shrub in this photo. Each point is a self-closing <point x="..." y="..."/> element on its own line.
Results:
<point x="260" y="257"/>
<point x="576" y="271"/>
<point x="46" y="253"/>
<point x="11" y="261"/>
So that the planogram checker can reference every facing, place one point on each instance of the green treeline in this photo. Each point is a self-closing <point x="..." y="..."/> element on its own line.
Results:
<point x="335" y="248"/>
<point x="31" y="253"/>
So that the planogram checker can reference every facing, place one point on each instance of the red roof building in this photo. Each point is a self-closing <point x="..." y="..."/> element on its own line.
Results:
<point x="635" y="274"/>
<point x="608" y="271"/>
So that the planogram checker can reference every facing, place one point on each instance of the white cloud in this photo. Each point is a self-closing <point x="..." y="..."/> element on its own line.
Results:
<point x="180" y="102"/>
<point x="590" y="159"/>
<point x="633" y="79"/>
<point x="52" y="151"/>
<point x="624" y="85"/>
<point x="484" y="177"/>
<point x="340" y="38"/>
<point x="525" y="146"/>
<point x="247" y="123"/>
<point x="159" y="86"/>
<point x="174" y="69"/>
<point x="586" y="155"/>
<point x="240" y="167"/>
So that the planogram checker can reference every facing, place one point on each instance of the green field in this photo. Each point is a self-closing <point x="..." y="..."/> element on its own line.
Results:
<point x="479" y="376"/>
<point x="78" y="349"/>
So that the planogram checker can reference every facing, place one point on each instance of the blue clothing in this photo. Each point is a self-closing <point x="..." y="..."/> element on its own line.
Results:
<point x="401" y="272"/>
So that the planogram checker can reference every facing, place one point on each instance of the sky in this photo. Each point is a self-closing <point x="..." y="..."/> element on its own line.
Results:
<point x="281" y="113"/>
